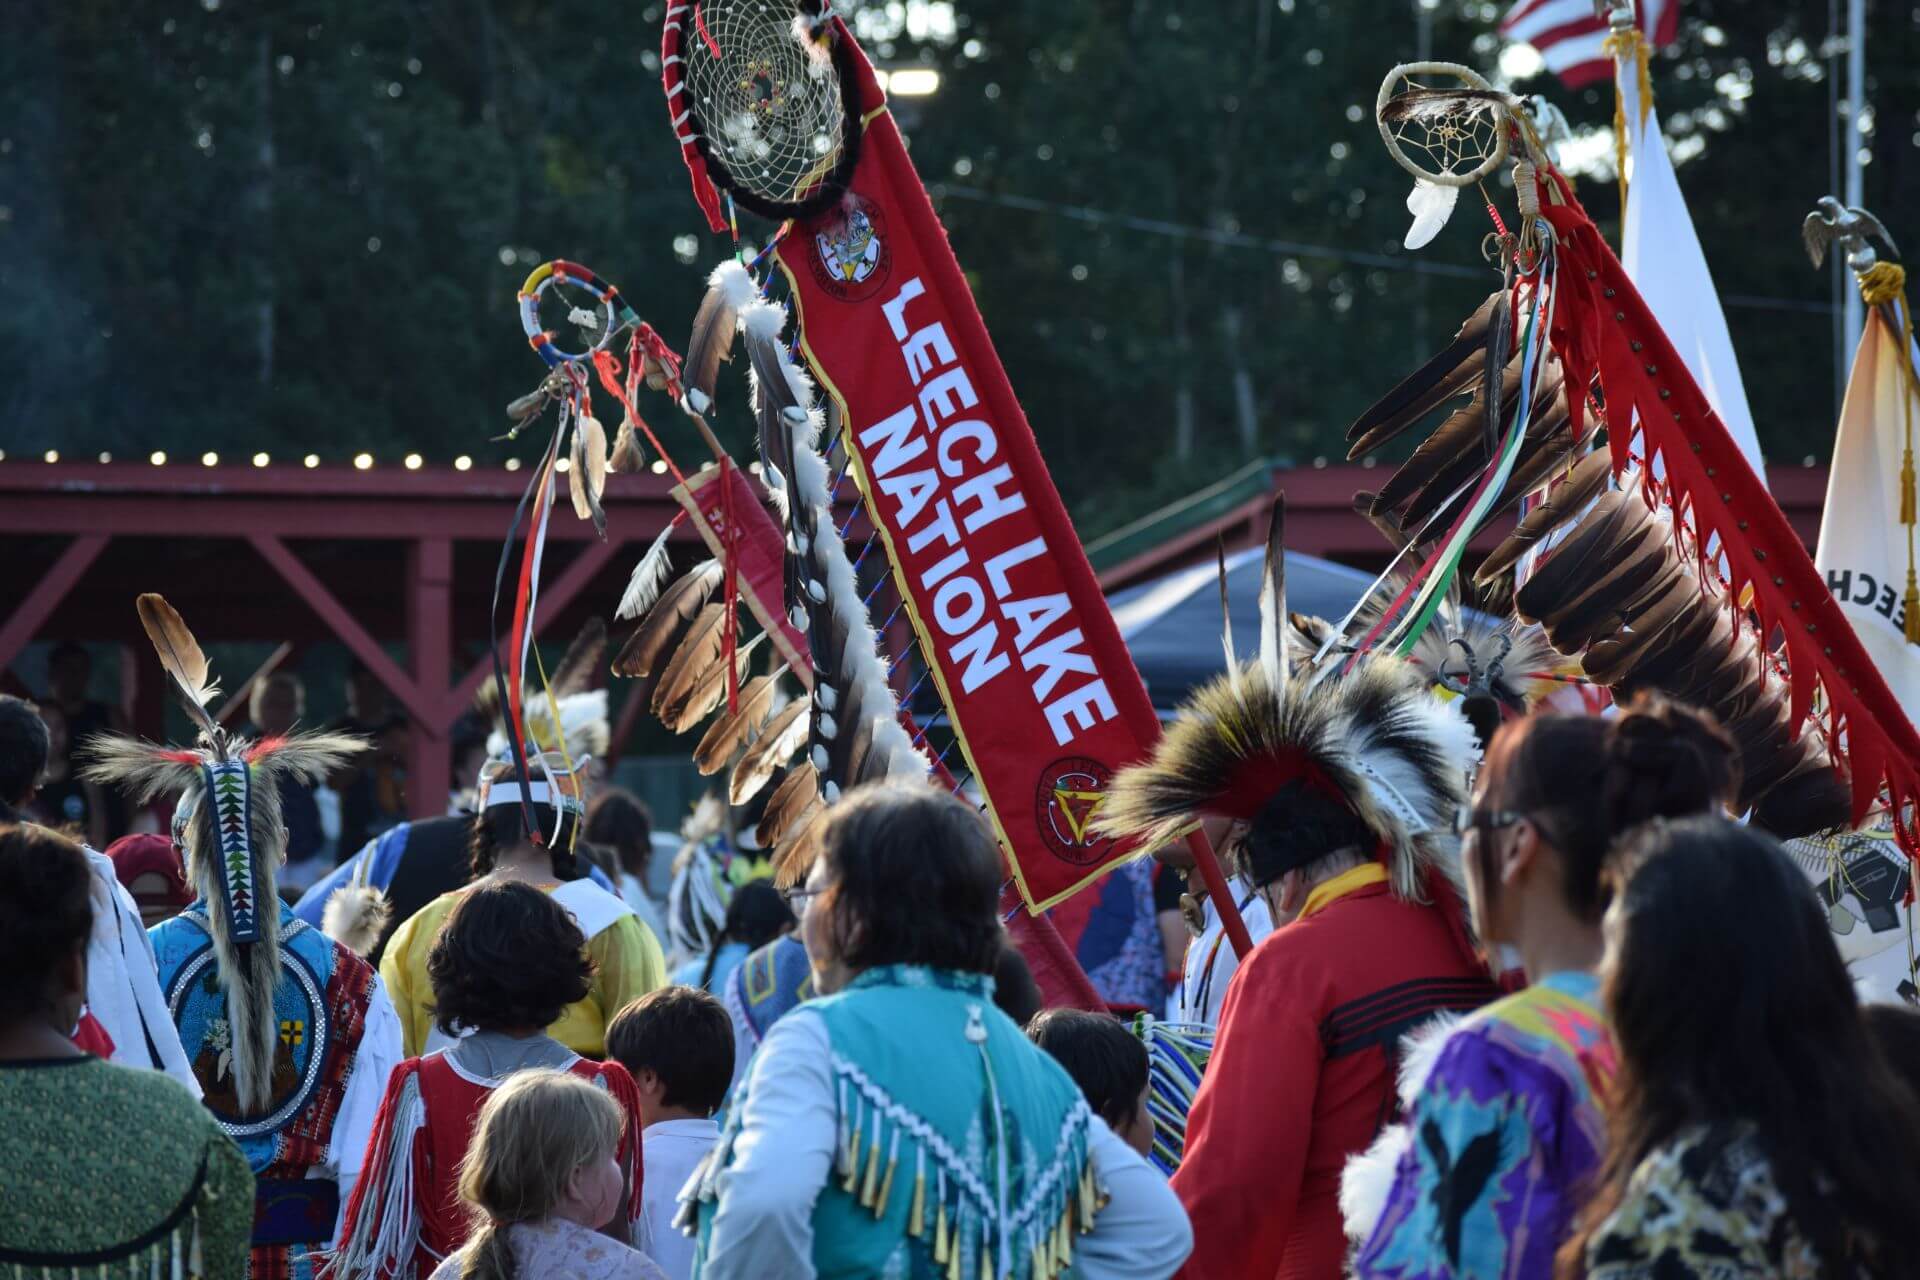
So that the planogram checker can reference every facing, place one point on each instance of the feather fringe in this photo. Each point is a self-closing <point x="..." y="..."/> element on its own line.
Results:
<point x="355" y="917"/>
<point x="726" y="736"/>
<point x="649" y="577"/>
<point x="729" y="289"/>
<point x="769" y="752"/>
<point x="652" y="644"/>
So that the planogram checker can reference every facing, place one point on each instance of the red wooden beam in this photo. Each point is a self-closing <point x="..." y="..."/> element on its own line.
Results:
<point x="423" y="706"/>
<point x="47" y="594"/>
<point x="554" y="597"/>
<point x="430" y="641"/>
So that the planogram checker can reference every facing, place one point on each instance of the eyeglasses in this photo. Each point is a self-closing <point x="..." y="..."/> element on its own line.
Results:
<point x="1466" y="818"/>
<point x="798" y="896"/>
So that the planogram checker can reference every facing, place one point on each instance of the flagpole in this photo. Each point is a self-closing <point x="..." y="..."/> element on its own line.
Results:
<point x="1853" y="316"/>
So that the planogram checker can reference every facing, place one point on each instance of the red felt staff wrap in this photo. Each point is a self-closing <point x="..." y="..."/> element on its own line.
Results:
<point x="754" y="556"/>
<point x="1043" y="695"/>
<point x="1601" y="326"/>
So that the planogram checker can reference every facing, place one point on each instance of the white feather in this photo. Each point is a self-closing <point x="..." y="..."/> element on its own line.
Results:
<point x="735" y="283"/>
<point x="1368" y="1178"/>
<point x="583" y="723"/>
<point x="863" y="665"/>
<point x="648" y="579"/>
<point x="1431" y="205"/>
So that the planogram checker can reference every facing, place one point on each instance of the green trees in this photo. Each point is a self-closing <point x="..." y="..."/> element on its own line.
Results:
<point x="298" y="227"/>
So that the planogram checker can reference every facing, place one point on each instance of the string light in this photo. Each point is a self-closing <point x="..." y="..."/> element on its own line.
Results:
<point x="209" y="459"/>
<point x="362" y="462"/>
<point x="3" y="455"/>
<point x="513" y="464"/>
<point x="563" y="465"/>
<point x="106" y="457"/>
<point x="158" y="457"/>
<point x="260" y="459"/>
<point x="53" y="455"/>
<point x="463" y="463"/>
<point x="659" y="466"/>
<point x="311" y="461"/>
<point x="412" y="461"/>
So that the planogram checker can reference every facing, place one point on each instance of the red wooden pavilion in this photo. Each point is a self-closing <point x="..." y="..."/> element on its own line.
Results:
<point x="395" y="560"/>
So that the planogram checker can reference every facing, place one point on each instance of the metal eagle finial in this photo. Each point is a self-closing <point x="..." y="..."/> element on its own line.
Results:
<point x="1834" y="223"/>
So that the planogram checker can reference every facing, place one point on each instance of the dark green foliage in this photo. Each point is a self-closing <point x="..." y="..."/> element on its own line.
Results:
<point x="193" y="192"/>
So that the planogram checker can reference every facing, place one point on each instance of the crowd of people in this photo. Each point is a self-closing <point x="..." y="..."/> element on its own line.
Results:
<point x="1603" y="1032"/>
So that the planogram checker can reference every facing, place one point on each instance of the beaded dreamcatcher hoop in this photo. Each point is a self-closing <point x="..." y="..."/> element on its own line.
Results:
<point x="1444" y="124"/>
<point x="764" y="102"/>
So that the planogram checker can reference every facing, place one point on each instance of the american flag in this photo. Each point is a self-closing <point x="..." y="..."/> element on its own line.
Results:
<point x="1568" y="35"/>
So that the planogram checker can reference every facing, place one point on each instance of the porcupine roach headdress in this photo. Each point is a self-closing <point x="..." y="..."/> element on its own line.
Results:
<point x="565" y="723"/>
<point x="234" y="839"/>
<point x="1375" y="740"/>
<point x="565" y="715"/>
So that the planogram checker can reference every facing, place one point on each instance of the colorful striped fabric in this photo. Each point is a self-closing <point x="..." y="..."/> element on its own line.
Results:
<point x="1569" y="35"/>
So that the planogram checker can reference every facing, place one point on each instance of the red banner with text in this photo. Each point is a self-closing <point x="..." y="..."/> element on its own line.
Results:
<point x="1043" y="695"/>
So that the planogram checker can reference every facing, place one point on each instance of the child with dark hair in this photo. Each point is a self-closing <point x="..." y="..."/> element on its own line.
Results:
<point x="507" y="961"/>
<point x="1108" y="1063"/>
<point x="626" y="957"/>
<point x="677" y="1044"/>
<point x="756" y="915"/>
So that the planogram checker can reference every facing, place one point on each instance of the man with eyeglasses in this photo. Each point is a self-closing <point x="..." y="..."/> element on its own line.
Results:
<point x="1340" y="797"/>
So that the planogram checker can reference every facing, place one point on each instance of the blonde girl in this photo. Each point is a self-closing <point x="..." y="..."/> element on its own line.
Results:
<point x="540" y="1176"/>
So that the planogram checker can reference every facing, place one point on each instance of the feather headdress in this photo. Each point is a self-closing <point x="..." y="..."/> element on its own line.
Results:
<point x="233" y="837"/>
<point x="1374" y="739"/>
<point x="565" y="716"/>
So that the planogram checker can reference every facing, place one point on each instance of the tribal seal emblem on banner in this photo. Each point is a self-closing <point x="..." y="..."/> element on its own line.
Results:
<point x="1070" y="794"/>
<point x="850" y="250"/>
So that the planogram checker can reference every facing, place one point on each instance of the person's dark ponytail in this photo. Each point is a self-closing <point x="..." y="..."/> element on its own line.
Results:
<point x="500" y="828"/>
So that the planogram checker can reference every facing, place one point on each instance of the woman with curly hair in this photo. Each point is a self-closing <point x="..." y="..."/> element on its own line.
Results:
<point x="627" y="963"/>
<point x="508" y="961"/>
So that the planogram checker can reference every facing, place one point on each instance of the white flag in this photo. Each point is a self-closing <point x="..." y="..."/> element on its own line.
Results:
<point x="1863" y="545"/>
<point x="1662" y="256"/>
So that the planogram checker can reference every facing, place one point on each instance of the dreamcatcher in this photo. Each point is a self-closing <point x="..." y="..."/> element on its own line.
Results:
<point x="1515" y="421"/>
<point x="573" y="320"/>
<point x="1448" y="136"/>
<point x="1659" y="562"/>
<point x="763" y="103"/>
